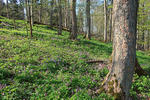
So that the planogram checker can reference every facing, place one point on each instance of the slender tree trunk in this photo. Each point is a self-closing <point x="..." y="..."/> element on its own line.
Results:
<point x="7" y="7"/>
<point x="148" y="40"/>
<point x="88" y="18"/>
<point x="40" y="10"/>
<point x="27" y="10"/>
<point x="110" y="23"/>
<point x="74" y="21"/>
<point x="66" y="13"/>
<point x="30" y="18"/>
<point x="1" y="7"/>
<point x="31" y="12"/>
<point x="51" y="13"/>
<point x="68" y="16"/>
<point x="60" y="18"/>
<point x="92" y="24"/>
<point x="118" y="81"/>
<point x="105" y="20"/>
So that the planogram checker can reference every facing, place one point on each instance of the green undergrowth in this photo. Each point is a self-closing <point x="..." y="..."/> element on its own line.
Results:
<point x="52" y="67"/>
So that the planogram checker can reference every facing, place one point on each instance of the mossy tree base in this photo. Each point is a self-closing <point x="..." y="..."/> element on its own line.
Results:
<point x="112" y="87"/>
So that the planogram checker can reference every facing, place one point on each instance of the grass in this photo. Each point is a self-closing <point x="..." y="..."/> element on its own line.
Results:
<point x="52" y="67"/>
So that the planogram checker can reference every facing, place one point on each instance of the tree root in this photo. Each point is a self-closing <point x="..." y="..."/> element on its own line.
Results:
<point x="138" y="69"/>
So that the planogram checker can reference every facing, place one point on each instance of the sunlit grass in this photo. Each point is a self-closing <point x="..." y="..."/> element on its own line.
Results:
<point x="50" y="66"/>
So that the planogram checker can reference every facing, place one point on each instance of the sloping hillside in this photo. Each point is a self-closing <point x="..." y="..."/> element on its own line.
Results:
<point x="50" y="66"/>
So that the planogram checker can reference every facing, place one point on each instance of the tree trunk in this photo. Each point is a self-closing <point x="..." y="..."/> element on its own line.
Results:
<point x="74" y="21"/>
<point x="88" y="19"/>
<point x="66" y="14"/>
<point x="69" y="17"/>
<point x="7" y="9"/>
<point x="148" y="40"/>
<point x="1" y="7"/>
<point x="110" y="22"/>
<point x="40" y="10"/>
<point x="31" y="12"/>
<point x="118" y="81"/>
<point x="30" y="18"/>
<point x="60" y="18"/>
<point x="27" y="10"/>
<point x="51" y="13"/>
<point x="105" y="21"/>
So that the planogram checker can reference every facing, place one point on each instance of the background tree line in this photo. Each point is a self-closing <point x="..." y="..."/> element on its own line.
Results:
<point x="93" y="18"/>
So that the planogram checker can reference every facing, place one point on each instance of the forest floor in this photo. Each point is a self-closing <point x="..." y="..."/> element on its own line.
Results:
<point x="52" y="67"/>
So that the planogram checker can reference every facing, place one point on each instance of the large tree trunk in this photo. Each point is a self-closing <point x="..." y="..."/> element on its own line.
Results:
<point x="118" y="81"/>
<point x="88" y="19"/>
<point x="73" y="34"/>
<point x="60" y="18"/>
<point x="105" y="20"/>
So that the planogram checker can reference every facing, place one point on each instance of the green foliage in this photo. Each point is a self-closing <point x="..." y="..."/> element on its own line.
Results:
<point x="141" y="85"/>
<point x="52" y="67"/>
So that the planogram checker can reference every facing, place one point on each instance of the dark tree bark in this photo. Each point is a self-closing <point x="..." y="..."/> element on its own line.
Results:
<point x="88" y="19"/>
<point x="118" y="81"/>
<point x="138" y="70"/>
<point x="60" y="18"/>
<point x="73" y="34"/>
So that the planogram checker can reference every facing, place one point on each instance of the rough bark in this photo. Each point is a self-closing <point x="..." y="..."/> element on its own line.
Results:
<point x="118" y="81"/>
<point x="73" y="34"/>
<point x="88" y="19"/>
<point x="105" y="20"/>
<point x="60" y="18"/>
